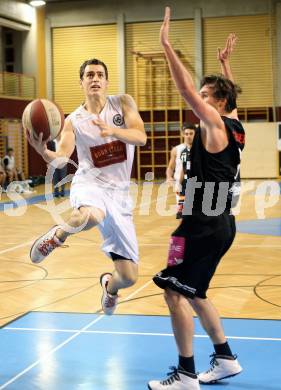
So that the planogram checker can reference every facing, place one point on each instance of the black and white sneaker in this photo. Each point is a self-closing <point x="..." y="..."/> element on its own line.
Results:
<point x="222" y="367"/>
<point x="177" y="380"/>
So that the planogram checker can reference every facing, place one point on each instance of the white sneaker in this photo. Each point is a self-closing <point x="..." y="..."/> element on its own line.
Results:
<point x="178" y="380"/>
<point x="44" y="245"/>
<point x="221" y="368"/>
<point x="108" y="301"/>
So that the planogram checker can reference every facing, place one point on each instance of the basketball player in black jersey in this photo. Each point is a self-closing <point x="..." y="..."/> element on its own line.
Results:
<point x="207" y="229"/>
<point x="184" y="173"/>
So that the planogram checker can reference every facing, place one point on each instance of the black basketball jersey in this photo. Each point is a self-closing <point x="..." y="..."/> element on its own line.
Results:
<point x="218" y="172"/>
<point x="186" y="162"/>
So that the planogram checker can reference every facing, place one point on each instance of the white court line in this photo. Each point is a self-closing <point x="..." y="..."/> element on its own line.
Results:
<point x="77" y="333"/>
<point x="15" y="247"/>
<point x="140" y="244"/>
<point x="133" y="333"/>
<point x="43" y="358"/>
<point x="232" y="246"/>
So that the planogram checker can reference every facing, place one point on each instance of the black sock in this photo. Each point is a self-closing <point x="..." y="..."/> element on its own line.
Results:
<point x="223" y="349"/>
<point x="187" y="364"/>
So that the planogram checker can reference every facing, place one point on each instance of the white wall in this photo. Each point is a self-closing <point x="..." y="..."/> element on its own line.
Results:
<point x="21" y="16"/>
<point x="29" y="56"/>
<point x="260" y="156"/>
<point x="16" y="11"/>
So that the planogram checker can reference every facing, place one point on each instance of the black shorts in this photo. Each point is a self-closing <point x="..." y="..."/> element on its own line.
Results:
<point x="196" y="248"/>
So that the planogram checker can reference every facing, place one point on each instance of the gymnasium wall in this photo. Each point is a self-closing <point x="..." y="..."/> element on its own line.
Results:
<point x="260" y="157"/>
<point x="69" y="53"/>
<point x="252" y="71"/>
<point x="252" y="61"/>
<point x="74" y="18"/>
<point x="93" y="12"/>
<point x="256" y="18"/>
<point x="17" y="11"/>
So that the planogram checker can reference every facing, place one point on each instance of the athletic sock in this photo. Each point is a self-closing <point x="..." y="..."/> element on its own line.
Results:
<point x="187" y="364"/>
<point x="223" y="349"/>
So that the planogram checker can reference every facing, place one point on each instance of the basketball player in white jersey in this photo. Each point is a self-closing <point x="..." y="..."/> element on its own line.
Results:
<point x="105" y="130"/>
<point x="175" y="164"/>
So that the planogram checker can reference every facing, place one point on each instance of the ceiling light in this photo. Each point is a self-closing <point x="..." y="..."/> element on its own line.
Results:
<point x="37" y="3"/>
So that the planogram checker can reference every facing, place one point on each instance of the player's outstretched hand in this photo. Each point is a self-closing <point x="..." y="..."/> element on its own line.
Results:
<point x="224" y="54"/>
<point x="164" y="30"/>
<point x="37" y="143"/>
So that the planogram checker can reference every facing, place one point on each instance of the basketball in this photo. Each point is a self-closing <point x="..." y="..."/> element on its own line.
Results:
<point x="43" y="116"/>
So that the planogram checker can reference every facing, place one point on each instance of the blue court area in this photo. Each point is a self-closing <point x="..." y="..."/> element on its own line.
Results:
<point x="22" y="200"/>
<point x="63" y="351"/>
<point x="267" y="227"/>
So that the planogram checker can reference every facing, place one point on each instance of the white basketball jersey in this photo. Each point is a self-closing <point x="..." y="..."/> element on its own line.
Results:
<point x="105" y="161"/>
<point x="179" y="149"/>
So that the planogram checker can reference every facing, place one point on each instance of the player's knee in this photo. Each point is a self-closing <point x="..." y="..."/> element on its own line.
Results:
<point x="95" y="217"/>
<point x="173" y="299"/>
<point x="87" y="216"/>
<point x="198" y="304"/>
<point x="129" y="277"/>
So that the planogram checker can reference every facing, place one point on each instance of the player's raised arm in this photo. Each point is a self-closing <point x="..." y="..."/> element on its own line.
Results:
<point x="223" y="55"/>
<point x="184" y="82"/>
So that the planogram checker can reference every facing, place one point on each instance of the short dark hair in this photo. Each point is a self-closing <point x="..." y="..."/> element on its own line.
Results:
<point x="10" y="150"/>
<point x="223" y="89"/>
<point x="92" y="61"/>
<point x="190" y="126"/>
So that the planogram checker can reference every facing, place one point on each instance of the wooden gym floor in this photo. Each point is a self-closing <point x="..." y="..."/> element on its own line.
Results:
<point x="54" y="336"/>
<point x="247" y="283"/>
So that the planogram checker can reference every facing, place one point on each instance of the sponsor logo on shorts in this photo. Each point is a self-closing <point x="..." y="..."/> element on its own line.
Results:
<point x="178" y="261"/>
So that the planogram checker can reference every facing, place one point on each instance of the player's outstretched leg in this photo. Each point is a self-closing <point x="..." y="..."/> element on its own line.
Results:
<point x="83" y="218"/>
<point x="44" y="245"/>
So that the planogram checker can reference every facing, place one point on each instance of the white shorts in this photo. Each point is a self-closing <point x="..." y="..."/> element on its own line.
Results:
<point x="117" y="228"/>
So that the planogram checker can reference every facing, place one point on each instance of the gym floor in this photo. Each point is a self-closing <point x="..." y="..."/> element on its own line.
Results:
<point x="54" y="335"/>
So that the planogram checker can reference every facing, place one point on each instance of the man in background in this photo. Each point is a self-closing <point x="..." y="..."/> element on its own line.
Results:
<point x="13" y="174"/>
<point x="59" y="173"/>
<point x="179" y="165"/>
